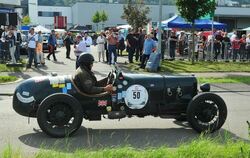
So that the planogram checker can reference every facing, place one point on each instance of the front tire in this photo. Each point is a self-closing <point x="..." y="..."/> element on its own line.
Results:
<point x="59" y="115"/>
<point x="206" y="112"/>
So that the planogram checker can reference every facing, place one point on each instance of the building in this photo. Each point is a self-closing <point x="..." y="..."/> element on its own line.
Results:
<point x="10" y="3"/>
<point x="8" y="10"/>
<point x="235" y="15"/>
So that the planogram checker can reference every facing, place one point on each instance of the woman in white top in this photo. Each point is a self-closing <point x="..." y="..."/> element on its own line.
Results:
<point x="100" y="46"/>
<point x="79" y="48"/>
<point x="248" y="47"/>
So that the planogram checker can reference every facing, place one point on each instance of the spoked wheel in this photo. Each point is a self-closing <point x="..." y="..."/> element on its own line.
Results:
<point x="59" y="115"/>
<point x="207" y="112"/>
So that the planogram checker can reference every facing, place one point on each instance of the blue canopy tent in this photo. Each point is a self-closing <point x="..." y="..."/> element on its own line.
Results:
<point x="179" y="22"/>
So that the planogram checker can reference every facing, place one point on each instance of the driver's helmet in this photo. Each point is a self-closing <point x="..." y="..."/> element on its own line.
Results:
<point x="85" y="59"/>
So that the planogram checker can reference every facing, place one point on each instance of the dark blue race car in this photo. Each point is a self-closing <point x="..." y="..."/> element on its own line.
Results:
<point x="60" y="106"/>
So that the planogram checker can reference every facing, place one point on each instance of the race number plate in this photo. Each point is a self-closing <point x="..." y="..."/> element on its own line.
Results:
<point x="136" y="97"/>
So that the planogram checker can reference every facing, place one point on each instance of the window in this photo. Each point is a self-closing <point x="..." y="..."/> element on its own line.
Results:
<point x="49" y="14"/>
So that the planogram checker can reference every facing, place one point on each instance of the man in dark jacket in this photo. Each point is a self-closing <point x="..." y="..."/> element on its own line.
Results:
<point x="85" y="79"/>
<point x="18" y="45"/>
<point x="67" y="42"/>
<point x="52" y="45"/>
<point x="131" y="44"/>
<point x="141" y="42"/>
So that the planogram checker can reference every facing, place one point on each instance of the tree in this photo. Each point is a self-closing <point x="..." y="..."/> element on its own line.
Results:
<point x="103" y="18"/>
<point x="195" y="9"/>
<point x="26" y="20"/>
<point x="136" y="13"/>
<point x="96" y="19"/>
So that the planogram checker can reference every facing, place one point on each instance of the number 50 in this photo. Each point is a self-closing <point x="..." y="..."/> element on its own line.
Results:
<point x="136" y="95"/>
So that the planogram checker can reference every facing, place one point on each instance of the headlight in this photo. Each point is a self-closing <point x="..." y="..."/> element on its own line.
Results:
<point x="205" y="87"/>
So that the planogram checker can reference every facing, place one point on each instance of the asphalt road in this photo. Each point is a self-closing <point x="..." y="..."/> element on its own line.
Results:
<point x="136" y="132"/>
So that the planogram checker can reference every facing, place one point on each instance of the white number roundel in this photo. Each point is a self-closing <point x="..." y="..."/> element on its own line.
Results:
<point x="136" y="97"/>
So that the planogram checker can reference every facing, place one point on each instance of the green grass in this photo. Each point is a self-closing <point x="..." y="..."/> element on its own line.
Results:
<point x="4" y="68"/>
<point x="4" y="79"/>
<point x="228" y="79"/>
<point x="198" y="148"/>
<point x="8" y="152"/>
<point x="187" y="67"/>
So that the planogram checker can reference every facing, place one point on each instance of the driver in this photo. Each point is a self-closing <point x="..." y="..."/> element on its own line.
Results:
<point x="85" y="79"/>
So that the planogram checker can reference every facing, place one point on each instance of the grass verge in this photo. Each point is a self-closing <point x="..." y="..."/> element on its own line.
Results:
<point x="4" y="68"/>
<point x="4" y="79"/>
<point x="228" y="79"/>
<point x="179" y="66"/>
<point x="198" y="148"/>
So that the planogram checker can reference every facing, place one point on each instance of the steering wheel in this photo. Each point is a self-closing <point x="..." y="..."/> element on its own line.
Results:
<point x="111" y="77"/>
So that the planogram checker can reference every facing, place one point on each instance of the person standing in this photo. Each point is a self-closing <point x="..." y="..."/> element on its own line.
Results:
<point x="233" y="36"/>
<point x="142" y="37"/>
<point x="225" y="46"/>
<point x="88" y="41"/>
<point x="5" y="44"/>
<point x="39" y="49"/>
<point x="12" y="43"/>
<point x="121" y="44"/>
<point x="248" y="47"/>
<point x="172" y="45"/>
<point x="67" y="42"/>
<point x="32" y="43"/>
<point x="18" y="43"/>
<point x="235" y="47"/>
<point x="163" y="44"/>
<point x="131" y="44"/>
<point x="79" y="48"/>
<point x="100" y="46"/>
<point x="217" y="45"/>
<point x="242" y="47"/>
<point x="106" y="46"/>
<point x="1" y="52"/>
<point x="112" y="41"/>
<point x="149" y="47"/>
<point x="94" y="38"/>
<point x="181" y="42"/>
<point x="52" y="45"/>
<point x="137" y="49"/>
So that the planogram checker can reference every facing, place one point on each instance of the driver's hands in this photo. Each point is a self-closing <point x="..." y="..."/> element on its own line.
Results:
<point x="108" y="88"/>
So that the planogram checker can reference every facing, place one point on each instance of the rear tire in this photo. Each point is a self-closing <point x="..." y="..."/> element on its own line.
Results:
<point x="59" y="115"/>
<point x="206" y="112"/>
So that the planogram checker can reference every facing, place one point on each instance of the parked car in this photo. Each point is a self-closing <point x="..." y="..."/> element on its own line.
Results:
<point x="60" y="106"/>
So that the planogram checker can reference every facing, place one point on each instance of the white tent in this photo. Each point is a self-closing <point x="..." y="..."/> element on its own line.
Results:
<point x="42" y="29"/>
<point x="123" y="27"/>
<point x="60" y="30"/>
<point x="246" y="29"/>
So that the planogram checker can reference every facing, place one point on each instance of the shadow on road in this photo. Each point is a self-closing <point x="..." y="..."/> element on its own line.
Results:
<point x="106" y="138"/>
<point x="19" y="75"/>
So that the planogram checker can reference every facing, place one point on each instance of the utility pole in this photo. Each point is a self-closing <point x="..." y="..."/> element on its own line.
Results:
<point x="160" y="26"/>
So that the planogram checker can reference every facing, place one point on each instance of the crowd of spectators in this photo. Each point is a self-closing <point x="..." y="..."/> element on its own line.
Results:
<point x="137" y="43"/>
<point x="214" y="46"/>
<point x="10" y="44"/>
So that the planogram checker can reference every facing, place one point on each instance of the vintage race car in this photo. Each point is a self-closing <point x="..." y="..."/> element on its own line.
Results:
<point x="60" y="106"/>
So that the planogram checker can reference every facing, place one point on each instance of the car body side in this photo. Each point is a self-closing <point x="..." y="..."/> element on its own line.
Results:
<point x="167" y="95"/>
